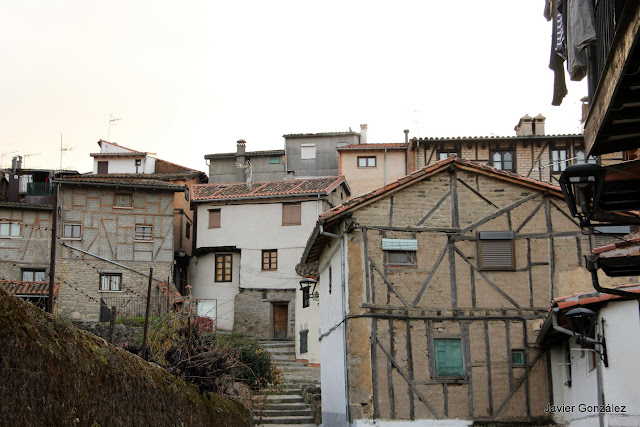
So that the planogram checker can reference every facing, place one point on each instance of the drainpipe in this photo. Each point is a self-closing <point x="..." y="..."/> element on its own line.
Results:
<point x="592" y="266"/>
<point x="343" y="284"/>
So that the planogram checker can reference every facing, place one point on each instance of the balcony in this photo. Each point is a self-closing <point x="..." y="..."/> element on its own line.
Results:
<point x="40" y="193"/>
<point x="613" y="123"/>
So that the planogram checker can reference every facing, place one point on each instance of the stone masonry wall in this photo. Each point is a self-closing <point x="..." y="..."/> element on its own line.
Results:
<point x="254" y="311"/>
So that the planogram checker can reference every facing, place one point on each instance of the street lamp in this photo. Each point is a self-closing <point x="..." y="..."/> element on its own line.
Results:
<point x="582" y="322"/>
<point x="582" y="188"/>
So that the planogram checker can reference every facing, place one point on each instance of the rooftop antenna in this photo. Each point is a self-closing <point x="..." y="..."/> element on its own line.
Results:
<point x="111" y="120"/>
<point x="24" y="156"/>
<point x="417" y="121"/>
<point x="6" y="154"/>
<point x="63" y="148"/>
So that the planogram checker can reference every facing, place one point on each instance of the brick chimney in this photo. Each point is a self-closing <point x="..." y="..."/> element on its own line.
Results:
<point x="525" y="126"/>
<point x="363" y="133"/>
<point x="538" y="124"/>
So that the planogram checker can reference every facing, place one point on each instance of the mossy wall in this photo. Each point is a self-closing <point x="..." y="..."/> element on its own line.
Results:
<point x="55" y="374"/>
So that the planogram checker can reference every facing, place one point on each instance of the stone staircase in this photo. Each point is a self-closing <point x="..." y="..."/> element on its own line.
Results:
<point x="284" y="405"/>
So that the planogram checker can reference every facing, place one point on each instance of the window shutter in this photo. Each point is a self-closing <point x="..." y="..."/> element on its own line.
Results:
<point x="399" y="244"/>
<point x="291" y="213"/>
<point x="214" y="218"/>
<point x="303" y="341"/>
<point x="496" y="250"/>
<point x="448" y="357"/>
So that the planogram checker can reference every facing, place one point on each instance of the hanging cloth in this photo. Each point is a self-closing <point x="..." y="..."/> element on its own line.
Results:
<point x="556" y="62"/>
<point x="581" y="33"/>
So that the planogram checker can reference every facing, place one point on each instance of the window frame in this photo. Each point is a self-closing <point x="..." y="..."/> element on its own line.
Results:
<point x="33" y="271"/>
<point x="213" y="213"/>
<point x="11" y="226"/>
<point x="110" y="275"/>
<point x="291" y="205"/>
<point x="227" y="268"/>
<point x="502" y="161"/>
<point x="275" y="160"/>
<point x="144" y="236"/>
<point x="412" y="262"/>
<point x="115" y="201"/>
<point x="366" y="161"/>
<point x="308" y="156"/>
<point x="495" y="236"/>
<point x="304" y="338"/>
<point x="272" y="260"/>
<point x="72" y="224"/>
<point x="557" y="166"/>
<point x="515" y="351"/>
<point x="447" y="376"/>
<point x="104" y="165"/>
<point x="448" y="152"/>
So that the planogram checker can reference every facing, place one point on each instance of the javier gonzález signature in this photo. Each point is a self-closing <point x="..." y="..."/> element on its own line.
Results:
<point x="583" y="408"/>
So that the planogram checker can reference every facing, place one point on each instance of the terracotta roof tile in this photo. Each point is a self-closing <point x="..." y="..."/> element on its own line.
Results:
<point x="128" y="180"/>
<point x="587" y="298"/>
<point x="398" y="145"/>
<point x="28" y="288"/>
<point x="210" y="192"/>
<point x="629" y="247"/>
<point x="247" y="153"/>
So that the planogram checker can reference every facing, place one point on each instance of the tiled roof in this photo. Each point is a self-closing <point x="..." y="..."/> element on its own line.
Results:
<point x="121" y="180"/>
<point x="22" y="205"/>
<point x="587" y="298"/>
<point x="118" y="145"/>
<point x="339" y="211"/>
<point x="298" y="187"/>
<point x="135" y="154"/>
<point x="621" y="248"/>
<point x="247" y="153"/>
<point x="165" y="176"/>
<point x="311" y="135"/>
<point x="36" y="289"/>
<point x="488" y="138"/>
<point x="389" y="146"/>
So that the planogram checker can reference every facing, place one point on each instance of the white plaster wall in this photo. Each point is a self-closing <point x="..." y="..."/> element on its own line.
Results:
<point x="308" y="318"/>
<point x="105" y="147"/>
<point x="622" y="378"/>
<point x="125" y="165"/>
<point x="204" y="286"/>
<point x="332" y="351"/>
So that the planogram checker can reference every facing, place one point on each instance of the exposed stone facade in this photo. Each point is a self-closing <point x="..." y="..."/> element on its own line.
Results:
<point x="254" y="311"/>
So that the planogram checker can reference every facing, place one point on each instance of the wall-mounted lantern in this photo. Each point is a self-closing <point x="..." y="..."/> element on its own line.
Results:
<point x="582" y="188"/>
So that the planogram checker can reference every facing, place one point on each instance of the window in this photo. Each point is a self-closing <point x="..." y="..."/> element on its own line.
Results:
<point x="103" y="167"/>
<point x="138" y="162"/>
<point x="303" y="341"/>
<point x="275" y="160"/>
<point x="305" y="296"/>
<point x="448" y="354"/>
<point x="33" y="274"/>
<point x="123" y="200"/>
<point x="72" y="230"/>
<point x="496" y="250"/>
<point x="223" y="267"/>
<point x="270" y="259"/>
<point x="308" y="151"/>
<point x="110" y="281"/>
<point x="517" y="357"/>
<point x="503" y="160"/>
<point x="143" y="233"/>
<point x="187" y="231"/>
<point x="367" y="162"/>
<point x="23" y="183"/>
<point x="401" y="259"/>
<point x="581" y="157"/>
<point x="558" y="160"/>
<point x="214" y="218"/>
<point x="10" y="229"/>
<point x="291" y="213"/>
<point x="444" y="154"/>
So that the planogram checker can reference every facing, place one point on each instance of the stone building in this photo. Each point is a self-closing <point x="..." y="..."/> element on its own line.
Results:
<point x="111" y="231"/>
<point x="432" y="290"/>
<point x="249" y="240"/>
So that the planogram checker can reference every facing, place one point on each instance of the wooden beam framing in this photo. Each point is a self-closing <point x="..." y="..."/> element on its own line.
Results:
<point x="477" y="193"/>
<point x="390" y="387"/>
<point x="453" y="185"/>
<point x="391" y="211"/>
<point x="433" y="272"/>
<point x="452" y="276"/>
<point x="500" y="212"/>
<point x="434" y="208"/>
<point x="464" y="329"/>
<point x="552" y="257"/>
<point x="366" y="265"/>
<point x="487" y="345"/>
<point x="386" y="280"/>
<point x="531" y="215"/>
<point x="530" y="273"/>
<point x="517" y="384"/>
<point x="374" y="367"/>
<point x="412" y="408"/>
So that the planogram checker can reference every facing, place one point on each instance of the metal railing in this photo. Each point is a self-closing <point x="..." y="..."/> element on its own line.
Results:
<point x="39" y="189"/>
<point x="132" y="307"/>
<point x="607" y="14"/>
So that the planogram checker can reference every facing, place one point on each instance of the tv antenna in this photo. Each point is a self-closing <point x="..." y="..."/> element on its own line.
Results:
<point x="417" y="121"/>
<point x="24" y="156"/>
<point x="111" y="121"/>
<point x="6" y="154"/>
<point x="63" y="148"/>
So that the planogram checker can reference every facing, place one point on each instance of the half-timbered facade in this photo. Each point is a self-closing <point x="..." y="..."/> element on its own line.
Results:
<point x="432" y="291"/>
<point x="111" y="232"/>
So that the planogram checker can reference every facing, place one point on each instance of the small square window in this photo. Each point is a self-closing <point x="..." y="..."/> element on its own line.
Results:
<point x="496" y="250"/>
<point x="291" y="213"/>
<point x="517" y="357"/>
<point x="223" y="267"/>
<point x="72" y="230"/>
<point x="144" y="233"/>
<point x="275" y="160"/>
<point x="308" y="151"/>
<point x="366" y="162"/>
<point x="445" y="154"/>
<point x="403" y="259"/>
<point x="503" y="160"/>
<point x="270" y="259"/>
<point x="10" y="229"/>
<point x="110" y="281"/>
<point x="215" y="218"/>
<point x="448" y="355"/>
<point x="123" y="200"/>
<point x="138" y="162"/>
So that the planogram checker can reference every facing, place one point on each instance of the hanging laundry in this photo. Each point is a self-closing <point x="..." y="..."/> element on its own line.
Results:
<point x="580" y="34"/>
<point x="556" y="62"/>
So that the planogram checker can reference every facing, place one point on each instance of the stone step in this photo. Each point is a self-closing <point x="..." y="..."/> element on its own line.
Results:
<point x="306" y="412"/>
<point x="284" y="420"/>
<point x="286" y="406"/>
<point x="284" y="390"/>
<point x="283" y="356"/>
<point x="284" y="398"/>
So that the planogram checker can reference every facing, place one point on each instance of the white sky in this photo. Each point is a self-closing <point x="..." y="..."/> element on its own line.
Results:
<point x="190" y="78"/>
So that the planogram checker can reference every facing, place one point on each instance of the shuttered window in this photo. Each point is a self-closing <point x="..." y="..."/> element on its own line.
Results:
<point x="223" y="267"/>
<point x="291" y="213"/>
<point x="121" y="200"/>
<point x="496" y="250"/>
<point x="308" y="151"/>
<point x="606" y="235"/>
<point x="103" y="167"/>
<point x="448" y="357"/>
<point x="304" y="341"/>
<point x="214" y="218"/>
<point x="144" y="233"/>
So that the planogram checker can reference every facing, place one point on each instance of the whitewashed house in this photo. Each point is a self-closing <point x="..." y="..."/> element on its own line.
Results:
<point x="249" y="240"/>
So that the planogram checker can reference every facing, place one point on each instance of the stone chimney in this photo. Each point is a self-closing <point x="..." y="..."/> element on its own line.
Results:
<point x="363" y="133"/>
<point x="240" y="160"/>
<point x="16" y="163"/>
<point x="538" y="125"/>
<point x="290" y="176"/>
<point x="525" y="126"/>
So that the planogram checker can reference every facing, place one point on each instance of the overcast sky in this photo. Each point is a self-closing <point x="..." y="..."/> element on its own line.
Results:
<point x="190" y="78"/>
